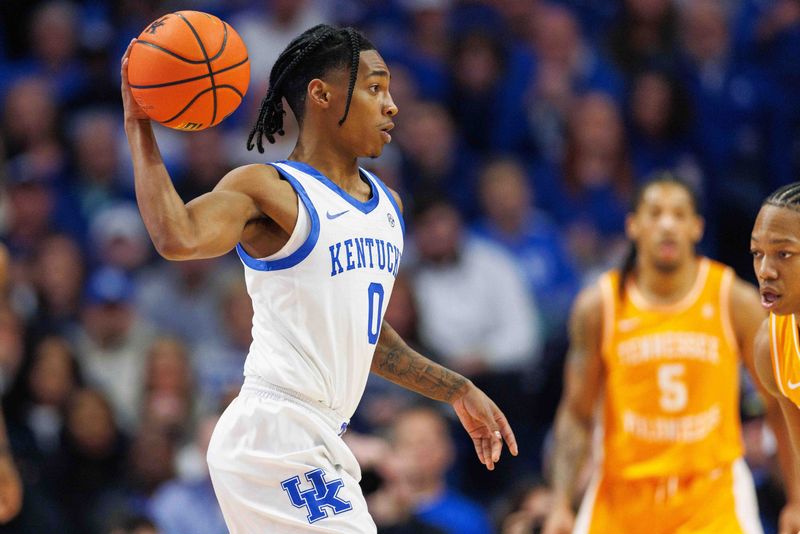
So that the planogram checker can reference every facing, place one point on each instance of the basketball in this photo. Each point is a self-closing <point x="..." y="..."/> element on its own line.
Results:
<point x="188" y="70"/>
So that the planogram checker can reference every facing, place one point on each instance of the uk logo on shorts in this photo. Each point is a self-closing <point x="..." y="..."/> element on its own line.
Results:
<point x="320" y="498"/>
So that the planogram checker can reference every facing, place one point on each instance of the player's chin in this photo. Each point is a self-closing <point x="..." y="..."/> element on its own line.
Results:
<point x="373" y="152"/>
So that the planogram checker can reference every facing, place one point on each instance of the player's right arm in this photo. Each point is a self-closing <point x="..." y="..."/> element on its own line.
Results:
<point x="790" y="515"/>
<point x="211" y="224"/>
<point x="583" y="379"/>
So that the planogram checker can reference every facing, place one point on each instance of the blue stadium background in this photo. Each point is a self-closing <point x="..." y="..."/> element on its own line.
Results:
<point x="534" y="121"/>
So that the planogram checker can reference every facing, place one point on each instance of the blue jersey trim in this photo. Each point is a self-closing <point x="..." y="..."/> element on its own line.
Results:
<point x="364" y="207"/>
<point x="391" y="199"/>
<point x="301" y="253"/>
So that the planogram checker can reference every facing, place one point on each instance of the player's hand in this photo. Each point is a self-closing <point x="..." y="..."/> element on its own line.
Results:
<point x="486" y="425"/>
<point x="10" y="488"/>
<point x="132" y="109"/>
<point x="561" y="520"/>
<point x="789" y="522"/>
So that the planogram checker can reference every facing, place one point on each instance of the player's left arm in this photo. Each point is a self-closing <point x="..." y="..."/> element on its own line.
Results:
<point x="749" y="323"/>
<point x="395" y="361"/>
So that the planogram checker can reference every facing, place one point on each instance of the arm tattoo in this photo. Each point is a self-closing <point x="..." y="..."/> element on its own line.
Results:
<point x="572" y="445"/>
<point x="394" y="360"/>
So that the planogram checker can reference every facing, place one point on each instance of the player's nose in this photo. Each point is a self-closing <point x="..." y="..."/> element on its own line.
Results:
<point x="390" y="108"/>
<point x="765" y="269"/>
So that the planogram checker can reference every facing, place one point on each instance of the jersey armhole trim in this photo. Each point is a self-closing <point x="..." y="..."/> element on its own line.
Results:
<point x="390" y="196"/>
<point x="305" y="249"/>
<point x="726" y="288"/>
<point x="776" y="355"/>
<point x="607" y="318"/>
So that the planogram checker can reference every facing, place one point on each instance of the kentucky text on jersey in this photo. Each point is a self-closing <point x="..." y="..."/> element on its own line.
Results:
<point x="364" y="253"/>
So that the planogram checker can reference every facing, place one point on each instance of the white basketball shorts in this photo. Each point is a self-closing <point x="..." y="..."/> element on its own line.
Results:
<point x="279" y="465"/>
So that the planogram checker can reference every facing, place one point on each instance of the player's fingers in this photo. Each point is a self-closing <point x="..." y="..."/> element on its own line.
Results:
<point x="486" y="444"/>
<point x="128" y="50"/>
<point x="508" y="435"/>
<point x="497" y="445"/>
<point x="479" y="450"/>
<point x="124" y="62"/>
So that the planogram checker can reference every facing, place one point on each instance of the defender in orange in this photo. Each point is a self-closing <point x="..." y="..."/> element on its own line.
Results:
<point x="775" y="245"/>
<point x="655" y="347"/>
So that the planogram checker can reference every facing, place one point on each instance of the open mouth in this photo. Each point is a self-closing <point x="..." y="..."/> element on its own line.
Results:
<point x="769" y="298"/>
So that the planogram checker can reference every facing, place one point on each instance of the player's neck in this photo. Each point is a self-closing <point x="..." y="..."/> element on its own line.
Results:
<point x="661" y="287"/>
<point x="329" y="160"/>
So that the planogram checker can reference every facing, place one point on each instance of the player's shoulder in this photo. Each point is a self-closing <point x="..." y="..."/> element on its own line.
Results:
<point x="588" y="304"/>
<point x="397" y="198"/>
<point x="255" y="179"/>
<point x="745" y="301"/>
<point x="762" y="357"/>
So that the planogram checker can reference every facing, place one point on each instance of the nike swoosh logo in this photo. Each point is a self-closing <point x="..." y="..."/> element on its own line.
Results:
<point x="793" y="385"/>
<point x="332" y="216"/>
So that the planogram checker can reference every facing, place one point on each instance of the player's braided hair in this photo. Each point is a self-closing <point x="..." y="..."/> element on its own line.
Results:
<point x="310" y="55"/>
<point x="663" y="177"/>
<point x="787" y="196"/>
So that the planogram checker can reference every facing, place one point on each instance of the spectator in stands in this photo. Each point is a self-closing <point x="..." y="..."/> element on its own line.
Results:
<point x="511" y="221"/>
<point x="566" y="67"/>
<point x="421" y="440"/>
<point x="218" y="362"/>
<point x="168" y="393"/>
<point x="434" y="157"/>
<point x="189" y="506"/>
<point x="119" y="239"/>
<point x="183" y="298"/>
<point x="644" y="32"/>
<point x="112" y="342"/>
<point x="590" y="197"/>
<point x="659" y="118"/>
<point x="97" y="171"/>
<point x="57" y="273"/>
<point x="90" y="462"/>
<point x="477" y="315"/>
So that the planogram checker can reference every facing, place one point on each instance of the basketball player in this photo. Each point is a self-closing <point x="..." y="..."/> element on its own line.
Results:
<point x="775" y="245"/>
<point x="320" y="240"/>
<point x="658" y="345"/>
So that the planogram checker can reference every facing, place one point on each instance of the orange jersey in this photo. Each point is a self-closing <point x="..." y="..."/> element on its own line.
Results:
<point x="785" y="351"/>
<point x="672" y="379"/>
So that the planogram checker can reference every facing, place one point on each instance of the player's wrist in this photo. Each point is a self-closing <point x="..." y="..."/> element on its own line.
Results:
<point x="463" y="389"/>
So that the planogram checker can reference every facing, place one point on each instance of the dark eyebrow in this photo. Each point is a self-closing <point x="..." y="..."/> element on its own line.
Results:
<point x="779" y="241"/>
<point x="379" y="72"/>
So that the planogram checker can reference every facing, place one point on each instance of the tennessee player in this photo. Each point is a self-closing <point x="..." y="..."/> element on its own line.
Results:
<point x="658" y="344"/>
<point x="775" y="245"/>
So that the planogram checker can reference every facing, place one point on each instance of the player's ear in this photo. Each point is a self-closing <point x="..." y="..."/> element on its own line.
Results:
<point x="319" y="93"/>
<point x="698" y="229"/>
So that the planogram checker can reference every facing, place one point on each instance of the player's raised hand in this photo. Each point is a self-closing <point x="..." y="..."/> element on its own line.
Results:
<point x="486" y="425"/>
<point x="10" y="488"/>
<point x="131" y="108"/>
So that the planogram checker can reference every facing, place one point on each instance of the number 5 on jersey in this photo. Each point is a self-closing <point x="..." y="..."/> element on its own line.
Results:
<point x="674" y="393"/>
<point x="375" y="296"/>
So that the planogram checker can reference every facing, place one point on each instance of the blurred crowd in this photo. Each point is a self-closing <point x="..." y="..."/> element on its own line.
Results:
<point x="524" y="129"/>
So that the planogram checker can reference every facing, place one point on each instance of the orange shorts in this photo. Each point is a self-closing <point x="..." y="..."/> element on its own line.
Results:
<point x="722" y="501"/>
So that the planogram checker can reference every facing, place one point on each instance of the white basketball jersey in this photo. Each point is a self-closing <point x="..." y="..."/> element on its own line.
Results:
<point x="318" y="311"/>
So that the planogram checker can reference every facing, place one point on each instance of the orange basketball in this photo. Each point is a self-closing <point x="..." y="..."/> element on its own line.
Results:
<point x="189" y="70"/>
